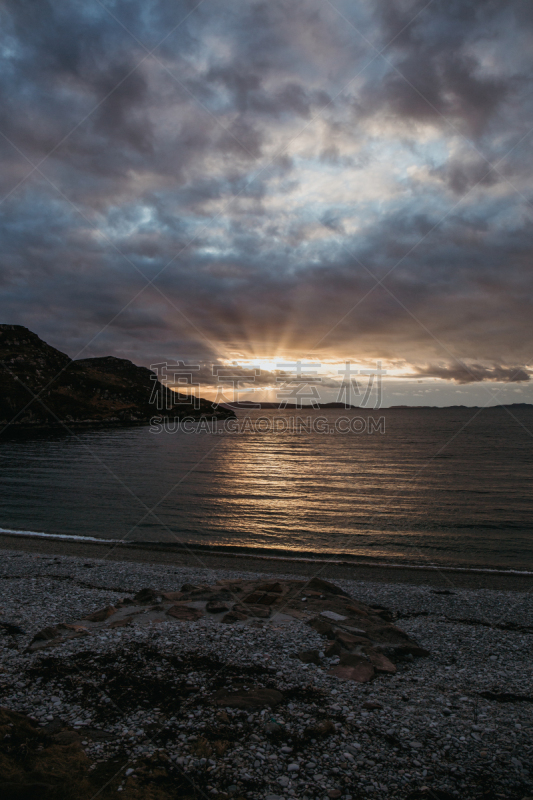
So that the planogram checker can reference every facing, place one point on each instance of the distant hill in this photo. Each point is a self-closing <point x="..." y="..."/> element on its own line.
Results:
<point x="440" y="408"/>
<point x="268" y="404"/>
<point x="39" y="385"/>
<point x="245" y="404"/>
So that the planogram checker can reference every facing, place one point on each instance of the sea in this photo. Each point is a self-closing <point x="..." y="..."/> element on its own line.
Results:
<point x="421" y="486"/>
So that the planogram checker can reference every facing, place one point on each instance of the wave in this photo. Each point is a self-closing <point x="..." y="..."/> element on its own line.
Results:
<point x="70" y="537"/>
<point x="266" y="555"/>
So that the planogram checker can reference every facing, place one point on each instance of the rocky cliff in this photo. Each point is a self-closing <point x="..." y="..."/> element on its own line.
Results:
<point x="39" y="385"/>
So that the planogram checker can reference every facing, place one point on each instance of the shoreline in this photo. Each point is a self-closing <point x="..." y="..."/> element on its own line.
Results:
<point x="438" y="577"/>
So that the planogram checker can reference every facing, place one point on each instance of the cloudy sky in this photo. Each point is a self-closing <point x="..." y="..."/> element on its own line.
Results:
<point x="261" y="182"/>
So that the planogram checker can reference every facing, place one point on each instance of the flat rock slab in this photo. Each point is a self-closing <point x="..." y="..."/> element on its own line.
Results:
<point x="102" y="615"/>
<point x="352" y="660"/>
<point x="362" y="673"/>
<point x="310" y="657"/>
<point x="379" y="661"/>
<point x="333" y="615"/>
<point x="348" y="640"/>
<point x="185" y="613"/>
<point x="216" y="607"/>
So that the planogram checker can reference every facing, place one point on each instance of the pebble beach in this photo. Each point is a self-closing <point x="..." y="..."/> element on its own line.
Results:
<point x="137" y="700"/>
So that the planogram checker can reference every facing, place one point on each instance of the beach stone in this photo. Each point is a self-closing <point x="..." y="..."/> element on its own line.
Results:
<point x="121" y="623"/>
<point x="372" y="705"/>
<point x="333" y="793"/>
<point x="333" y="616"/>
<point x="272" y="727"/>
<point x="102" y="614"/>
<point x="12" y="630"/>
<point x="353" y="609"/>
<point x="352" y="660"/>
<point x="388" y="633"/>
<point x="359" y="632"/>
<point x="322" y="627"/>
<point x="72" y="627"/>
<point x="253" y="611"/>
<point x="277" y="588"/>
<point x="190" y="587"/>
<point x="172" y="596"/>
<point x="348" y="640"/>
<point x="145" y="596"/>
<point x="321" y="729"/>
<point x="253" y="698"/>
<point x="309" y="657"/>
<point x="216" y="607"/>
<point x="234" y="616"/>
<point x="362" y="673"/>
<point x="185" y="613"/>
<point x="47" y="634"/>
<point x="333" y="649"/>
<point x="325" y="587"/>
<point x="380" y="661"/>
<point x="262" y="598"/>
<point x="412" y="650"/>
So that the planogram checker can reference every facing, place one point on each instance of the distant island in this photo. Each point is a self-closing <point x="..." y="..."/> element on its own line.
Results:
<point x="440" y="408"/>
<point x="283" y="406"/>
<point x="250" y="404"/>
<point x="42" y="386"/>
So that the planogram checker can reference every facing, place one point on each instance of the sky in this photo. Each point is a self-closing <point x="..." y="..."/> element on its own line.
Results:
<point x="256" y="183"/>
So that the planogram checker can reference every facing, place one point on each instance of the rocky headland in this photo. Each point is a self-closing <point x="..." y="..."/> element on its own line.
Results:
<point x="42" y="386"/>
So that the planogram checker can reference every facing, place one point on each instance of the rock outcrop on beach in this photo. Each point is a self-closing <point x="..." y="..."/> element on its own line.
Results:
<point x="42" y="386"/>
<point x="361" y="639"/>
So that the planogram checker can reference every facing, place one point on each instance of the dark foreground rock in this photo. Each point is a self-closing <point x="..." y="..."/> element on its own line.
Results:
<point x="42" y="386"/>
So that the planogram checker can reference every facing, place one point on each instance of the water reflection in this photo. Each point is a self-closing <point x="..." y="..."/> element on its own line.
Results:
<point x="392" y="495"/>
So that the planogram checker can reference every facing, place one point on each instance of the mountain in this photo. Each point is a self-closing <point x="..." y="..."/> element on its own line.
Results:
<point x="39" y="385"/>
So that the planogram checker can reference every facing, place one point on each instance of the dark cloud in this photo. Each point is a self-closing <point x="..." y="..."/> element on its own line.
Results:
<point x="473" y="373"/>
<point x="243" y="191"/>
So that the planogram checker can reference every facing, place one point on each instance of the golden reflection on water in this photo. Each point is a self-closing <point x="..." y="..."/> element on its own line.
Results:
<point x="420" y="491"/>
<point x="367" y="494"/>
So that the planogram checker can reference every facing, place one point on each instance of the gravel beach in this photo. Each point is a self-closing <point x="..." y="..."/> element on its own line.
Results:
<point x="138" y="699"/>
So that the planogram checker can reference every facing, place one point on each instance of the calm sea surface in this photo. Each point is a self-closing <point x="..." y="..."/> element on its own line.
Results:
<point x="443" y="486"/>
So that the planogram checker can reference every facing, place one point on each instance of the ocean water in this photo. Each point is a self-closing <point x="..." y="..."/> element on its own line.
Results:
<point x="439" y="486"/>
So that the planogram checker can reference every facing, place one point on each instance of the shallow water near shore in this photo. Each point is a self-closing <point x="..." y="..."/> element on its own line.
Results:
<point x="439" y="486"/>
